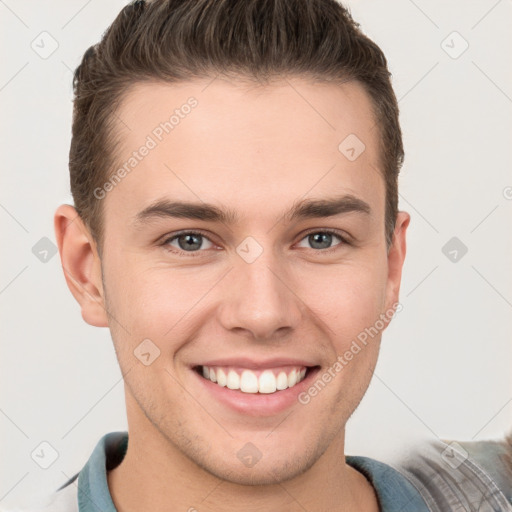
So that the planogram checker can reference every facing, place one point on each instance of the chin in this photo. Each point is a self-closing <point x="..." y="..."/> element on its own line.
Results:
<point x="264" y="472"/>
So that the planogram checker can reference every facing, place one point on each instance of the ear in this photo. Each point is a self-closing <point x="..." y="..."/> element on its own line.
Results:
<point x="81" y="264"/>
<point x="396" y="257"/>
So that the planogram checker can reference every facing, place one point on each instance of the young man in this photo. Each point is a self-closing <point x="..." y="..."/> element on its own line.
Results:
<point x="234" y="170"/>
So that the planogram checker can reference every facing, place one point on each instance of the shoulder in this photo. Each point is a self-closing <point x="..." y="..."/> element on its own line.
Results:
<point x="455" y="475"/>
<point x="393" y="489"/>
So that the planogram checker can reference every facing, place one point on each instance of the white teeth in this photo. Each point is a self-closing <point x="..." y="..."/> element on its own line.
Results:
<point x="221" y="377"/>
<point x="282" y="380"/>
<point x="233" y="380"/>
<point x="249" y="382"/>
<point x="292" y="378"/>
<point x="267" y="382"/>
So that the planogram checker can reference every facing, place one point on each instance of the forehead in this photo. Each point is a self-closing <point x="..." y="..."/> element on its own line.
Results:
<point x="220" y="141"/>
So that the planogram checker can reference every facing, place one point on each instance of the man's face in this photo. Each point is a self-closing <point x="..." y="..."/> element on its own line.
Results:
<point x="262" y="291"/>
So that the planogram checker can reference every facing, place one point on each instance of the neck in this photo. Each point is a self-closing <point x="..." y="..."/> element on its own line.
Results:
<point x="156" y="476"/>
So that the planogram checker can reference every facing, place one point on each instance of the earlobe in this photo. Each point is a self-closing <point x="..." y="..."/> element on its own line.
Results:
<point x="396" y="257"/>
<point x="81" y="264"/>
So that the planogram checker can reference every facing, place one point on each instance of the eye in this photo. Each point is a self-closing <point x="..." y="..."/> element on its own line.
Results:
<point x="192" y="242"/>
<point x="323" y="239"/>
<point x="188" y="241"/>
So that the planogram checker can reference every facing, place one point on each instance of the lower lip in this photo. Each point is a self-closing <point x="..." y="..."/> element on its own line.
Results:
<point x="257" y="404"/>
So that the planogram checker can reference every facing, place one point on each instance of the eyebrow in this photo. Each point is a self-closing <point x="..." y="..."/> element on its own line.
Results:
<point x="302" y="209"/>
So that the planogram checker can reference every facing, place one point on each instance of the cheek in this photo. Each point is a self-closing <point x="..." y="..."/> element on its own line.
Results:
<point x="346" y="298"/>
<point x="159" y="303"/>
<point x="155" y="304"/>
<point x="153" y="299"/>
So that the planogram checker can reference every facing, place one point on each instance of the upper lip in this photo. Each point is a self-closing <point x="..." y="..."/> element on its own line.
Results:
<point x="253" y="364"/>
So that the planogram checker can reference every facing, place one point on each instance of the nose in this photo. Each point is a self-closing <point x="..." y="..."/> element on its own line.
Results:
<point x="259" y="299"/>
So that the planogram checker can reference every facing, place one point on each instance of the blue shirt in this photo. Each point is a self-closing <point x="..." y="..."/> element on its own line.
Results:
<point x="434" y="477"/>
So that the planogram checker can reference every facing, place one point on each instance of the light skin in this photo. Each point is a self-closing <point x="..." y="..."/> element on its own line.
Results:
<point x="256" y="152"/>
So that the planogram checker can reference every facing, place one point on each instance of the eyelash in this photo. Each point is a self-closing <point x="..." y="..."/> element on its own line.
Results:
<point x="192" y="254"/>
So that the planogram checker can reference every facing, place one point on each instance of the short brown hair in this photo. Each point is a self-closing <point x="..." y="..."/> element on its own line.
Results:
<point x="259" y="40"/>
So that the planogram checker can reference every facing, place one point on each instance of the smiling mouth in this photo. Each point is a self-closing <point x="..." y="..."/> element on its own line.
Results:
<point x="266" y="381"/>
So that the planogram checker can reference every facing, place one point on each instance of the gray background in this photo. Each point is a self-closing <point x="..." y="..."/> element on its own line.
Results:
<point x="444" y="369"/>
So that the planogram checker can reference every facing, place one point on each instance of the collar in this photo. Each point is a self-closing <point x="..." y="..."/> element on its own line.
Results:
<point x="393" y="490"/>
